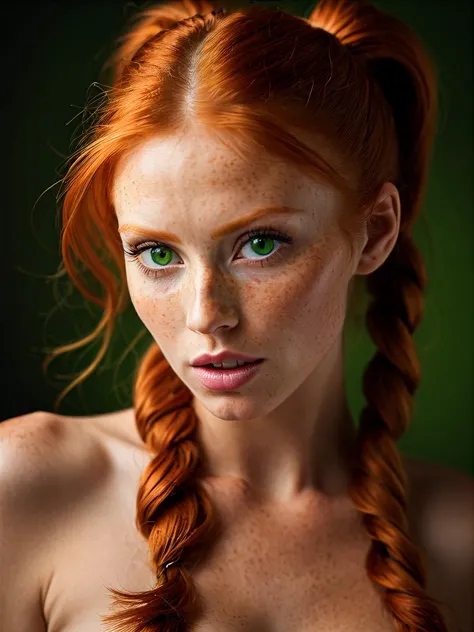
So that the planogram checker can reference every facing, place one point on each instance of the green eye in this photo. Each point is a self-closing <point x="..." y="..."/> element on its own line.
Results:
<point x="161" y="255"/>
<point x="258" y="244"/>
<point x="260" y="241"/>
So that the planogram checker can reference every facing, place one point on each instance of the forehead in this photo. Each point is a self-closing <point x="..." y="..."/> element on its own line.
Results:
<point x="195" y="170"/>
<point x="195" y="158"/>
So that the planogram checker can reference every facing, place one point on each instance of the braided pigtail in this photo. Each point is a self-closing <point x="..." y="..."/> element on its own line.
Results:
<point x="379" y="487"/>
<point x="400" y="68"/>
<point x="174" y="513"/>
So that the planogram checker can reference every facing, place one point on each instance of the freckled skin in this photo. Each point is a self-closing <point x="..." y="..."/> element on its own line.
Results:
<point x="288" y="425"/>
<point x="301" y="567"/>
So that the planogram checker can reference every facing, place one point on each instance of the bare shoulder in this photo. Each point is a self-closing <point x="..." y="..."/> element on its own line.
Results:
<point x="47" y="466"/>
<point x="51" y="458"/>
<point x="442" y="500"/>
<point x="41" y="472"/>
<point x="29" y="442"/>
<point x="43" y="449"/>
<point x="23" y="425"/>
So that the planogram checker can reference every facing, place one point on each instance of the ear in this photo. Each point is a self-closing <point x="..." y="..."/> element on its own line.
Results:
<point x="381" y="231"/>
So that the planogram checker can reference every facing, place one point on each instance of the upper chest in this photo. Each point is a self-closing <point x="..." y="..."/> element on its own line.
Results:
<point x="285" y="569"/>
<point x="275" y="569"/>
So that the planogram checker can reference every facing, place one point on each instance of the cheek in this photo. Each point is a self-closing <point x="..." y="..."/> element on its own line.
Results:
<point x="156" y="309"/>
<point x="305" y="304"/>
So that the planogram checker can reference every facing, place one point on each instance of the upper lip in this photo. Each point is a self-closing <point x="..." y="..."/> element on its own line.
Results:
<point x="223" y="356"/>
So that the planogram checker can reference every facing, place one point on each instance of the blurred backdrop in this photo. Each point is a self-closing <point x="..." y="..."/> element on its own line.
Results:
<point x="53" y="56"/>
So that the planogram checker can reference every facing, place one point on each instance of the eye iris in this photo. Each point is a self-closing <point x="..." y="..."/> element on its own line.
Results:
<point x="157" y="255"/>
<point x="260" y="241"/>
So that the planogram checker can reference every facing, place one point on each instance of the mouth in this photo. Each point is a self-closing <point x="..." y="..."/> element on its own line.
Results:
<point x="222" y="379"/>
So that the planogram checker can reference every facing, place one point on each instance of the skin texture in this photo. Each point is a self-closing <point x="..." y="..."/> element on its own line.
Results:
<point x="289" y="430"/>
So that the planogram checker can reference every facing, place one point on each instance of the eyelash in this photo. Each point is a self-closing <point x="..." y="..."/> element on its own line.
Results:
<point x="134" y="251"/>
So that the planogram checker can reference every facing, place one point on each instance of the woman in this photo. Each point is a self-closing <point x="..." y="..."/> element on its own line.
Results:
<point x="246" y="172"/>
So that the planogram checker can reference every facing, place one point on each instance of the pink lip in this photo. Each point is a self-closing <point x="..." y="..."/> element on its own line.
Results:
<point x="227" y="379"/>
<point x="223" y="356"/>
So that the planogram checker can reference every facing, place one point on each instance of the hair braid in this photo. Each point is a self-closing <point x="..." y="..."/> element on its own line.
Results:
<point x="174" y="513"/>
<point x="379" y="484"/>
<point x="400" y="68"/>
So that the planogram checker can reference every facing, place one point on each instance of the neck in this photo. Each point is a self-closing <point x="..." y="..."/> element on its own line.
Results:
<point x="304" y="444"/>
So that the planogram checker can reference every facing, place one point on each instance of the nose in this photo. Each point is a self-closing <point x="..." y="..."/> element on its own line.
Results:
<point x="211" y="303"/>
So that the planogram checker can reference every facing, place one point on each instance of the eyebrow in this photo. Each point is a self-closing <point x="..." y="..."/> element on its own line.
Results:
<point x="227" y="229"/>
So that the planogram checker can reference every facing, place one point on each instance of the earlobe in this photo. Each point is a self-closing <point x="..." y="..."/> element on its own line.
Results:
<point x="382" y="230"/>
<point x="367" y="264"/>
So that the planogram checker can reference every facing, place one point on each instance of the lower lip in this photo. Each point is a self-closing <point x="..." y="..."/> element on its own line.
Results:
<point x="227" y="379"/>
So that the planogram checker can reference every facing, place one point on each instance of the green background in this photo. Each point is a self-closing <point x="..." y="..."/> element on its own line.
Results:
<point x="54" y="56"/>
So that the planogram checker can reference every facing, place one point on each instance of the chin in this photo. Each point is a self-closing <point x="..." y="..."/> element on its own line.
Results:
<point x="229" y="405"/>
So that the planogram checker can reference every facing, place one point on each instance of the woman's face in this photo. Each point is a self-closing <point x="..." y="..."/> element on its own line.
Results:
<point x="208" y="289"/>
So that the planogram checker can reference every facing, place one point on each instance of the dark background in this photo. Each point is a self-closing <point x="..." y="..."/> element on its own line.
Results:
<point x="53" y="53"/>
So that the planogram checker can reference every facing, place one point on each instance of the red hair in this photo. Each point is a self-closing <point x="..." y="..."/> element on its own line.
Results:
<point x="260" y="77"/>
